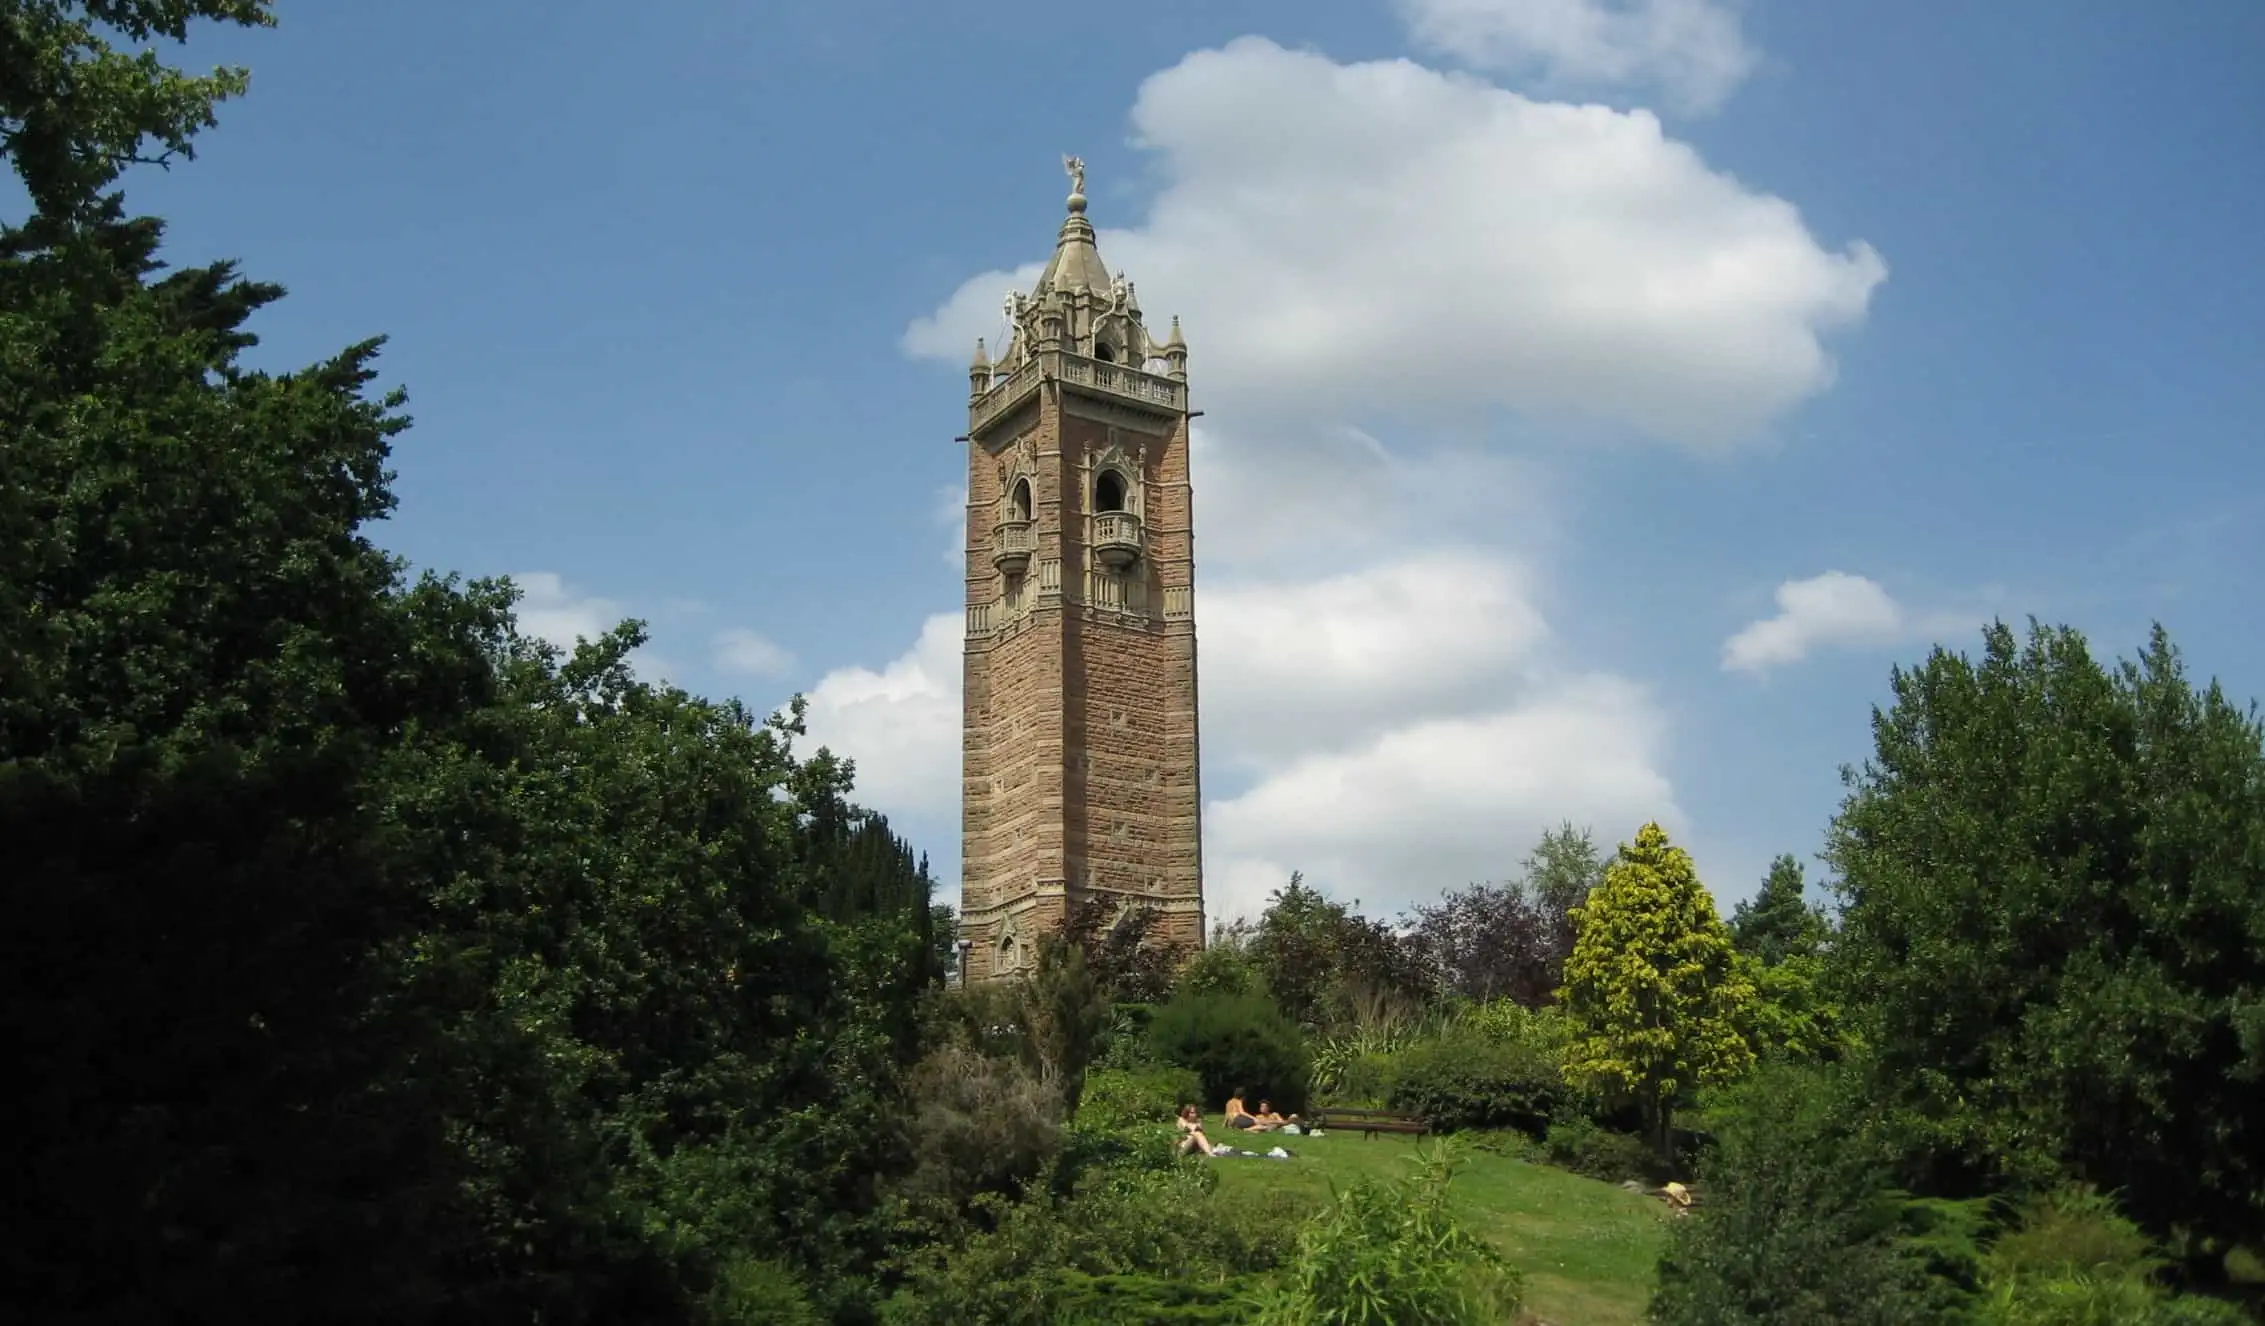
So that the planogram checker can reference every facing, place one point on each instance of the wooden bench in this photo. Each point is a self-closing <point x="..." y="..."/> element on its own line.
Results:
<point x="1368" y="1122"/>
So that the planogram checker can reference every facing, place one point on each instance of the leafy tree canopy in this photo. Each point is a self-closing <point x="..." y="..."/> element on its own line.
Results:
<point x="2052" y="879"/>
<point x="1778" y="923"/>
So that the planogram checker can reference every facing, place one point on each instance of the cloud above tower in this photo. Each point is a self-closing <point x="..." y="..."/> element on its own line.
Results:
<point x="1692" y="52"/>
<point x="1350" y="236"/>
<point x="1385" y="703"/>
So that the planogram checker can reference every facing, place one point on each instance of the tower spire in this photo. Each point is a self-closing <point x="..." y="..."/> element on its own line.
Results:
<point x="1077" y="260"/>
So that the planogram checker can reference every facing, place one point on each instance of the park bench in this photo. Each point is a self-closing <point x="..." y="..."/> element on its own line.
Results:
<point x="1370" y="1122"/>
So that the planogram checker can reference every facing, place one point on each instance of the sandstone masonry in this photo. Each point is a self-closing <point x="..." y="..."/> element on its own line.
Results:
<point x="1079" y="740"/>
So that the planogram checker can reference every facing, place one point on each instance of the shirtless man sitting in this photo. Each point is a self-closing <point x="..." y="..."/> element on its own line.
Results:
<point x="1269" y="1119"/>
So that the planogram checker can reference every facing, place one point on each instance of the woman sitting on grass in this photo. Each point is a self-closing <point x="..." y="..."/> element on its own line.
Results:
<point x="1191" y="1132"/>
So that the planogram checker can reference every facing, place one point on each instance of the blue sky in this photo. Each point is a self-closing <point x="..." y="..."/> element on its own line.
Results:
<point x="1548" y="346"/>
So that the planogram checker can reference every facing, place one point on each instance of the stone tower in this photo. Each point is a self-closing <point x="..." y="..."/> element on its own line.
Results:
<point x="1079" y="743"/>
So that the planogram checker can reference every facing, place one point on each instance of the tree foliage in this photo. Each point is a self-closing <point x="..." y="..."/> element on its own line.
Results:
<point x="2052" y="876"/>
<point x="1496" y="941"/>
<point x="1778" y="923"/>
<point x="1799" y="1222"/>
<point x="1653" y="984"/>
<point x="75" y="111"/>
<point x="349" y="927"/>
<point x="1129" y="959"/>
<point x="1322" y="960"/>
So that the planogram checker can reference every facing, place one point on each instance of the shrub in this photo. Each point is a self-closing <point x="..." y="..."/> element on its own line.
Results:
<point x="1584" y="1147"/>
<point x="1798" y="1224"/>
<point x="1135" y="1097"/>
<point x="981" y="1125"/>
<point x="2073" y="1259"/>
<point x="1221" y="969"/>
<point x="1040" y="1259"/>
<point x="1124" y="1038"/>
<point x="1353" y="1079"/>
<point x="1394" y="1255"/>
<point x="1463" y="1080"/>
<point x="1234" y="1041"/>
<point x="756" y="1292"/>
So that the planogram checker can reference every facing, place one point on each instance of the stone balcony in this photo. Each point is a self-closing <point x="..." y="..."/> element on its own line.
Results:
<point x="1119" y="381"/>
<point x="1012" y="543"/>
<point x="1117" y="539"/>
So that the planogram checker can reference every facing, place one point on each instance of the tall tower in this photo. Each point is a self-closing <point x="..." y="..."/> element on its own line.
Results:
<point x="1079" y="740"/>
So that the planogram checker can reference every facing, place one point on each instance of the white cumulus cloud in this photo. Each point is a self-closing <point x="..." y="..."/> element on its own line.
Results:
<point x="900" y="725"/>
<point x="1342" y="658"/>
<point x="1443" y="802"/>
<point x="1356" y="237"/>
<point x="1691" y="51"/>
<point x="750" y="654"/>
<point x="1385" y="705"/>
<point x="1835" y="609"/>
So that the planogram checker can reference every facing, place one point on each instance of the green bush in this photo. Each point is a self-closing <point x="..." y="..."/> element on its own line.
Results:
<point x="980" y="1125"/>
<point x="1462" y="1081"/>
<point x="757" y="1292"/>
<point x="1797" y="1223"/>
<point x="1394" y="1255"/>
<point x="1035" y="1262"/>
<point x="1232" y="1041"/>
<point x="1133" y="1097"/>
<point x="1078" y="1299"/>
<point x="2073" y="1259"/>
<point x="1583" y="1147"/>
<point x="1123" y="1042"/>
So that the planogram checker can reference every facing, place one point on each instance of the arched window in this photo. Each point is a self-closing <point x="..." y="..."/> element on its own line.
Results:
<point x="1109" y="491"/>
<point x="1104" y="352"/>
<point x="1018" y="504"/>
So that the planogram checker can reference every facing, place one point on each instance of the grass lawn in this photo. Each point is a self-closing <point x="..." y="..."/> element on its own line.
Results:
<point x="1586" y="1248"/>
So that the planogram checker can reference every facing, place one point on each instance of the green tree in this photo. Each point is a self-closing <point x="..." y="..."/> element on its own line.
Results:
<point x="76" y="111"/>
<point x="1778" y="923"/>
<point x="1064" y="1008"/>
<point x="1799" y="1223"/>
<point x="2051" y="879"/>
<point x="1558" y="874"/>
<point x="349" y="927"/>
<point x="1321" y="960"/>
<point x="1653" y="984"/>
<point x="1793" y="1014"/>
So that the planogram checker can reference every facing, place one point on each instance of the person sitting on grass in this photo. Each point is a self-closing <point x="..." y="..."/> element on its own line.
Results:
<point x="1238" y="1115"/>
<point x="1269" y="1119"/>
<point x="1191" y="1132"/>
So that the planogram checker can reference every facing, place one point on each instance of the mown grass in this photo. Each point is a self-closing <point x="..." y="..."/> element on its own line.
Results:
<point x="1587" y="1248"/>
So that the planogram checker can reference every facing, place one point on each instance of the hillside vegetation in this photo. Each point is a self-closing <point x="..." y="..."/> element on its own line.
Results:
<point x="372" y="961"/>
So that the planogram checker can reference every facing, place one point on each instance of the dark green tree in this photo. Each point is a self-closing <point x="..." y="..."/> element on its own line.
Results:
<point x="368" y="960"/>
<point x="1321" y="960"/>
<point x="75" y="111"/>
<point x="1799" y="1222"/>
<point x="1778" y="923"/>
<point x="2052" y="875"/>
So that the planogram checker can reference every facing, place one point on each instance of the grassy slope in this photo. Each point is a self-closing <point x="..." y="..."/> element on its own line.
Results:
<point x="1587" y="1248"/>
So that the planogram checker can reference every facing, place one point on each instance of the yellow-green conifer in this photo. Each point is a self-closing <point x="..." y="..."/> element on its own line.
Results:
<point x="1653" y="984"/>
